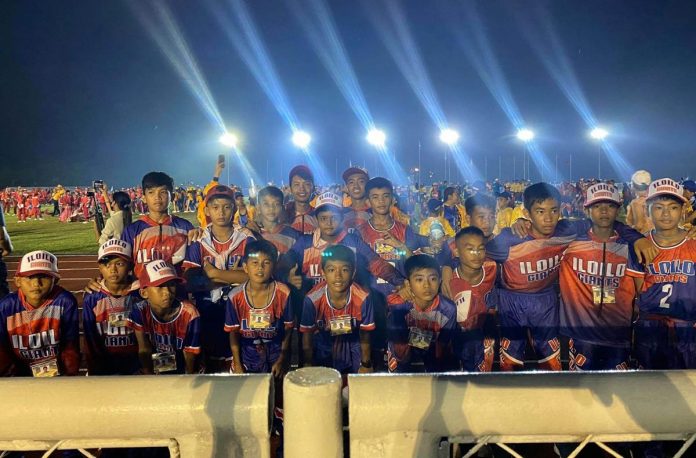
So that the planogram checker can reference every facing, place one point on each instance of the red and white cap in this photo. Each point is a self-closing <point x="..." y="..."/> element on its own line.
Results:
<point x="115" y="247"/>
<point x="157" y="273"/>
<point x="329" y="198"/>
<point x="37" y="263"/>
<point x="666" y="187"/>
<point x="602" y="192"/>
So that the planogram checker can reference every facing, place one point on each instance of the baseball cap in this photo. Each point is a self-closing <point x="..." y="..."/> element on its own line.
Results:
<point x="641" y="179"/>
<point x="38" y="262"/>
<point x="352" y="171"/>
<point x="602" y="192"/>
<point x="157" y="273"/>
<point x="328" y="199"/>
<point x="301" y="170"/>
<point x="689" y="185"/>
<point x="434" y="205"/>
<point x="666" y="187"/>
<point x="504" y="194"/>
<point x="219" y="191"/>
<point x="115" y="247"/>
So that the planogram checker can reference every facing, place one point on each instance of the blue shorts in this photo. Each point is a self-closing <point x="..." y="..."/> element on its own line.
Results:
<point x="585" y="356"/>
<point x="519" y="313"/>
<point x="665" y="344"/>
<point x="469" y="347"/>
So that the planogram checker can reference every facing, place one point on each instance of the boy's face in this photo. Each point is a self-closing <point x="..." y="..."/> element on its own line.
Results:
<point x="220" y="211"/>
<point x="338" y="276"/>
<point x="35" y="288"/>
<point x="355" y="184"/>
<point x="544" y="216"/>
<point x="483" y="218"/>
<point x="270" y="208"/>
<point x="160" y="297"/>
<point x="502" y="202"/>
<point x="239" y="201"/>
<point x="330" y="222"/>
<point x="603" y="214"/>
<point x="665" y="213"/>
<point x="301" y="189"/>
<point x="424" y="284"/>
<point x="259" y="267"/>
<point x="157" y="199"/>
<point x="380" y="200"/>
<point x="115" y="270"/>
<point x="471" y="250"/>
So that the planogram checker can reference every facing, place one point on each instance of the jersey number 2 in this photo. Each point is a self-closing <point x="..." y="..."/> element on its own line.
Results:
<point x="667" y="289"/>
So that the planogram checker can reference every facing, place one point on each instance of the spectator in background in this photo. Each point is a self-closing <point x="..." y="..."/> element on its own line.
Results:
<point x="121" y="216"/>
<point x="5" y="250"/>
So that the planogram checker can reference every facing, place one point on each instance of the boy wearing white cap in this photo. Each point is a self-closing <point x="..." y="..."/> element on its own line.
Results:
<point x="166" y="328"/>
<point x="665" y="337"/>
<point x="111" y="345"/>
<point x="39" y="328"/>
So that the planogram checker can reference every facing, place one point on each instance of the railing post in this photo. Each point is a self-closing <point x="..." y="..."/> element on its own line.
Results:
<point x="312" y="413"/>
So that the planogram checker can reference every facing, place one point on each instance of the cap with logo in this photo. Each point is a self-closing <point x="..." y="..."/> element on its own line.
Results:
<point x="602" y="192"/>
<point x="219" y="191"/>
<point x="354" y="170"/>
<point x="115" y="247"/>
<point x="38" y="263"/>
<point x="157" y="273"/>
<point x="641" y="179"/>
<point x="328" y="199"/>
<point x="666" y="187"/>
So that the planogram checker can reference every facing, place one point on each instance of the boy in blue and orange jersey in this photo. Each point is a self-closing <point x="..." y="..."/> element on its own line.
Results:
<point x="166" y="328"/>
<point x="39" y="325"/>
<point x="337" y="317"/>
<point x="355" y="179"/>
<point x="111" y="345"/>
<point x="299" y="213"/>
<point x="268" y="219"/>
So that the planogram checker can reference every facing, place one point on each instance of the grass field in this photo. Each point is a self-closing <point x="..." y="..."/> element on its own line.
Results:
<point x="56" y="237"/>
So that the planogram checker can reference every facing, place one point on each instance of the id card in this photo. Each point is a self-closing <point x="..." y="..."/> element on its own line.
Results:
<point x="259" y="319"/>
<point x="420" y="338"/>
<point x="164" y="362"/>
<point x="341" y="325"/>
<point x="46" y="368"/>
<point x="117" y="319"/>
<point x="609" y="295"/>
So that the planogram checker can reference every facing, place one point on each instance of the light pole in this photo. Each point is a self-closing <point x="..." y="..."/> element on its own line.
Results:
<point x="450" y="137"/>
<point x="525" y="135"/>
<point x="230" y="140"/>
<point x="599" y="134"/>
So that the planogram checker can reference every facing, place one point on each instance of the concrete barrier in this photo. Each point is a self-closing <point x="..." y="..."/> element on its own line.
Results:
<point x="195" y="416"/>
<point x="406" y="415"/>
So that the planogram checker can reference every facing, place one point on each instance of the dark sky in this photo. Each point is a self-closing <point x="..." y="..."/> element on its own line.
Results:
<point x="87" y="94"/>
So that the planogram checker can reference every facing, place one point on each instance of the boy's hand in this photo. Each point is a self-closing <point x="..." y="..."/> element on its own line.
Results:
<point x="218" y="169"/>
<point x="521" y="227"/>
<point x="210" y="270"/>
<point x="390" y="240"/>
<point x="295" y="279"/>
<point x="645" y="250"/>
<point x="691" y="233"/>
<point x="94" y="285"/>
<point x="278" y="370"/>
<point x="195" y="235"/>
<point x="405" y="292"/>
<point x="237" y="367"/>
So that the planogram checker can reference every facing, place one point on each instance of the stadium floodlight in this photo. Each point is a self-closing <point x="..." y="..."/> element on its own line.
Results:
<point x="376" y="137"/>
<point x="229" y="139"/>
<point x="526" y="135"/>
<point x="599" y="133"/>
<point x="449" y="136"/>
<point x="301" y="139"/>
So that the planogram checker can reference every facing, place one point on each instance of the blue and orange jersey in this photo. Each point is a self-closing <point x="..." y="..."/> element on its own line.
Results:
<point x="473" y="301"/>
<point x="276" y="316"/>
<point x="337" y="330"/>
<point x="106" y="330"/>
<point x="283" y="237"/>
<point x="669" y="281"/>
<point x="42" y="340"/>
<point x="305" y="223"/>
<point x="354" y="218"/>
<point x="426" y="334"/>
<point x="151" y="240"/>
<point x="596" y="295"/>
<point x="223" y="255"/>
<point x="308" y="249"/>
<point x="178" y="335"/>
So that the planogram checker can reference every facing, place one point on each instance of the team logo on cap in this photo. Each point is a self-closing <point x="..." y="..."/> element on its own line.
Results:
<point x="602" y="192"/>
<point x="666" y="186"/>
<point x="38" y="262"/>
<point x="115" y="247"/>
<point x="157" y="273"/>
<point x="329" y="198"/>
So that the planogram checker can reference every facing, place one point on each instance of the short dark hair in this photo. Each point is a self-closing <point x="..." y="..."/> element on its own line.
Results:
<point x="469" y="230"/>
<point x="260" y="247"/>
<point x="420" y="262"/>
<point x="157" y="179"/>
<point x="338" y="253"/>
<point x="478" y="200"/>
<point x="669" y="197"/>
<point x="271" y="191"/>
<point x="539" y="192"/>
<point x="302" y="172"/>
<point x="378" y="183"/>
<point x="449" y="191"/>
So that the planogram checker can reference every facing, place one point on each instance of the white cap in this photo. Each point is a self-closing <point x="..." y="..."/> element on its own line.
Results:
<point x="38" y="262"/>
<point x="602" y="192"/>
<point x="641" y="178"/>
<point x="115" y="247"/>
<point x="158" y="272"/>
<point x="666" y="187"/>
<point x="329" y="198"/>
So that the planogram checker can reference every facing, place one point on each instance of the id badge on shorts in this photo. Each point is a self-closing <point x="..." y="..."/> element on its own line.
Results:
<point x="45" y="368"/>
<point x="259" y="319"/>
<point x="609" y="295"/>
<point x="420" y="338"/>
<point x="164" y="362"/>
<point x="117" y="319"/>
<point x="341" y="325"/>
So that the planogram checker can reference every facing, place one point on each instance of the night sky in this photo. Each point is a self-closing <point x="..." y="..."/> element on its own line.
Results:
<point x="87" y="94"/>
